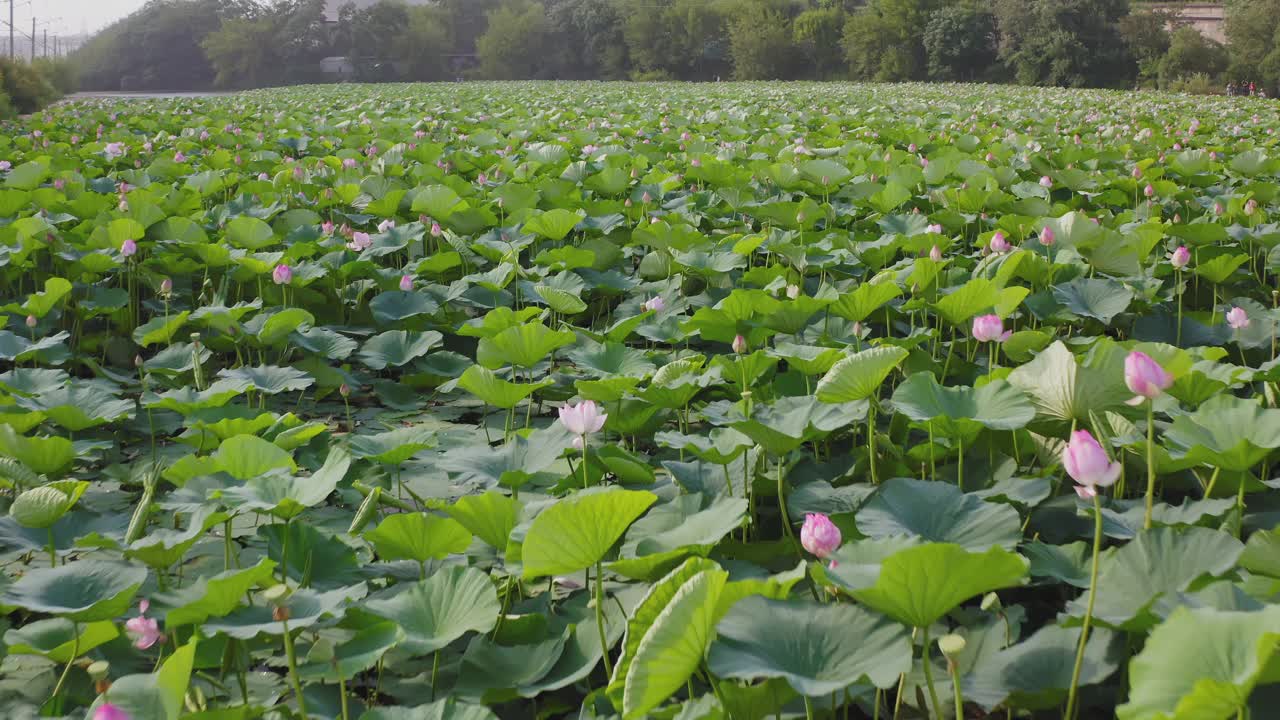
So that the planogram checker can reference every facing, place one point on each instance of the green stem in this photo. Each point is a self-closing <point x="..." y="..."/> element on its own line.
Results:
<point x="604" y="639"/>
<point x="53" y="549"/>
<point x="292" y="657"/>
<point x="782" y="505"/>
<point x="871" y="441"/>
<point x="435" y="671"/>
<point x="75" y="652"/>
<point x="584" y="462"/>
<point x="955" y="689"/>
<point x="1088" y="615"/>
<point x="928" y="674"/>
<point x="342" y="690"/>
<point x="1151" y="463"/>
<point x="808" y="708"/>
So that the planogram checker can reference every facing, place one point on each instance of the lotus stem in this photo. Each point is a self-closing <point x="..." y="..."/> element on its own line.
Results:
<point x="871" y="441"/>
<point x="955" y="688"/>
<point x="782" y="505"/>
<point x="604" y="639"/>
<point x="435" y="671"/>
<point x="808" y="708"/>
<point x="292" y="657"/>
<point x="75" y="653"/>
<point x="928" y="675"/>
<point x="342" y="691"/>
<point x="584" y="462"/>
<point x="53" y="548"/>
<point x="1088" y="613"/>
<point x="1151" y="463"/>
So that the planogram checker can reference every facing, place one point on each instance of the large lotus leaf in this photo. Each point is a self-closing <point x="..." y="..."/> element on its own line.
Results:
<point x="269" y="379"/>
<point x="249" y="233"/>
<point x="315" y="558"/>
<point x="674" y="645"/>
<point x="808" y="645"/>
<point x="577" y="531"/>
<point x="160" y="329"/>
<point x="975" y="296"/>
<point x="917" y="585"/>
<point x="673" y="530"/>
<point x="324" y="342"/>
<point x="1157" y="567"/>
<point x="153" y="697"/>
<point x="493" y="390"/>
<point x="490" y="670"/>
<point x="42" y="506"/>
<point x="188" y="400"/>
<point x="357" y="654"/>
<point x="281" y="324"/>
<point x="1203" y="663"/>
<point x="1097" y="298"/>
<point x="164" y="546"/>
<point x="394" y="446"/>
<point x="1063" y="388"/>
<point x="44" y="455"/>
<point x="84" y="591"/>
<point x="214" y="596"/>
<point x="523" y="345"/>
<point x="553" y="224"/>
<point x="938" y="512"/>
<point x="859" y="376"/>
<point x="858" y="305"/>
<point x="306" y="608"/>
<point x="41" y="303"/>
<point x="1226" y="432"/>
<point x="789" y="422"/>
<point x="582" y="653"/>
<point x="444" y="607"/>
<point x="490" y="516"/>
<point x="609" y="359"/>
<point x="56" y="638"/>
<point x="511" y="465"/>
<point x="397" y="347"/>
<point x="283" y="494"/>
<point x="447" y="709"/>
<point x="78" y="407"/>
<point x="419" y="537"/>
<point x="996" y="405"/>
<point x="1035" y="673"/>
<point x="247" y="456"/>
<point x="395" y="305"/>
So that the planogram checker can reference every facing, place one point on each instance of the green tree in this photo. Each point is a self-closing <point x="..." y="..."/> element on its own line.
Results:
<point x="959" y="42"/>
<point x="816" y="33"/>
<point x="423" y="48"/>
<point x="1146" y="34"/>
<point x="1252" y="29"/>
<point x="681" y="39"/>
<point x="885" y="41"/>
<point x="514" y="45"/>
<point x="275" y="46"/>
<point x="1191" y="53"/>
<point x="760" y="43"/>
<point x="1073" y="43"/>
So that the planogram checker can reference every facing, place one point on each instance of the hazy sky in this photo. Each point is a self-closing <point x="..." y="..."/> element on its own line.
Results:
<point x="67" y="16"/>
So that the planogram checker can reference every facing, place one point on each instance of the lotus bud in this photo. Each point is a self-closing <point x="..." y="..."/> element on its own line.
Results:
<point x="344" y="390"/>
<point x="31" y="321"/>
<point x="739" y="344"/>
<point x="1180" y="257"/>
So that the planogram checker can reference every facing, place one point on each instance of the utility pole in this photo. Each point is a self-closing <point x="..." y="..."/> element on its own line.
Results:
<point x="33" y="37"/>
<point x="44" y="52"/>
<point x="11" y="28"/>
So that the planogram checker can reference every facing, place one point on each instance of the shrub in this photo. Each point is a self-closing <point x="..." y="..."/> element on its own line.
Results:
<point x="27" y="89"/>
<point x="60" y="73"/>
<point x="1196" y="84"/>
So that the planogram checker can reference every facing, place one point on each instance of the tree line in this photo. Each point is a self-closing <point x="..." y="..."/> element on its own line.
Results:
<point x="188" y="44"/>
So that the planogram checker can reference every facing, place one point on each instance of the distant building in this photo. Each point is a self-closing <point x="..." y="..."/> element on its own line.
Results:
<point x="1207" y="17"/>
<point x="333" y="8"/>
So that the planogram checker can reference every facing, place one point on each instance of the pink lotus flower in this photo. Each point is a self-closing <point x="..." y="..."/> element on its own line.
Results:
<point x="1087" y="463"/>
<point x="386" y="225"/>
<point x="349" y="163"/>
<point x="582" y="420"/>
<point x="144" y="630"/>
<point x="1180" y="257"/>
<point x="360" y="241"/>
<point x="1046" y="182"/>
<point x="1145" y="377"/>
<point x="31" y="321"/>
<point x="655" y="304"/>
<point x="107" y="711"/>
<point x="1149" y="191"/>
<point x="1237" y="318"/>
<point x="128" y="248"/>
<point x="326" y="228"/>
<point x="819" y="535"/>
<point x="113" y="150"/>
<point x="739" y="344"/>
<point x="406" y="283"/>
<point x="1137" y="172"/>
<point x="988" y="328"/>
<point x="1046" y="237"/>
<point x="998" y="244"/>
<point x="5" y="165"/>
<point x="178" y="157"/>
<point x="934" y="229"/>
<point x="166" y="286"/>
<point x="935" y="254"/>
<point x="282" y="274"/>
<point x="435" y="230"/>
<point x="1250" y="207"/>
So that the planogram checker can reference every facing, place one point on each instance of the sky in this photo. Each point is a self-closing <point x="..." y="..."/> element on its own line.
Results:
<point x="68" y="17"/>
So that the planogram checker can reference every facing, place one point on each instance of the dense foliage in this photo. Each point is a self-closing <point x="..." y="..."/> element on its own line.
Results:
<point x="592" y="400"/>
<point x="183" y="44"/>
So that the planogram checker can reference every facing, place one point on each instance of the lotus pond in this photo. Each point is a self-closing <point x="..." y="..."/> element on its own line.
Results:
<point x="625" y="401"/>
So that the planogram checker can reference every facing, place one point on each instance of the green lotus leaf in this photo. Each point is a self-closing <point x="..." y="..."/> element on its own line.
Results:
<point x="418" y="537"/>
<point x="41" y="507"/>
<point x="1226" y="432"/>
<point x="434" y="612"/>
<point x="1096" y="298"/>
<point x="859" y="376"/>
<point x="576" y="532"/>
<point x="154" y="697"/>
<point x="306" y="608"/>
<point x="246" y="456"/>
<point x="280" y="325"/>
<point x="56" y="638"/>
<point x="996" y="405"/>
<point x="394" y="446"/>
<point x="214" y="596"/>
<point x="806" y="644"/>
<point x="395" y="305"/>
<point x="394" y="348"/>
<point x="269" y="379"/>
<point x="1063" y="388"/>
<point x="490" y="516"/>
<point x="938" y="512"/>
<point x="493" y="390"/>
<point x="1035" y="673"/>
<point x="84" y="591"/>
<point x="523" y="345"/>
<point x="362" y="651"/>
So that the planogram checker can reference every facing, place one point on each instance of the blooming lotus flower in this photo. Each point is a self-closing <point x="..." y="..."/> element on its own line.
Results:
<point x="935" y="254"/>
<point x="739" y="344"/>
<point x="178" y="157"/>
<point x="107" y="711"/>
<point x="988" y="328"/>
<point x="934" y="229"/>
<point x="5" y="165"/>
<point x="1237" y="318"/>
<point x="406" y="283"/>
<point x="998" y="244"/>
<point x="282" y="274"/>
<point x="819" y="536"/>
<point x="1046" y="236"/>
<point x="349" y="163"/>
<point x="360" y="241"/>
<point x="145" y="630"/>
<point x="582" y="420"/>
<point x="1046" y="182"/>
<point x="1087" y="463"/>
<point x="113" y="150"/>
<point x="128" y="248"/>
<point x="386" y="225"/>
<point x="1145" y="377"/>
<point x="1180" y="257"/>
<point x="326" y="228"/>
<point x="655" y="304"/>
